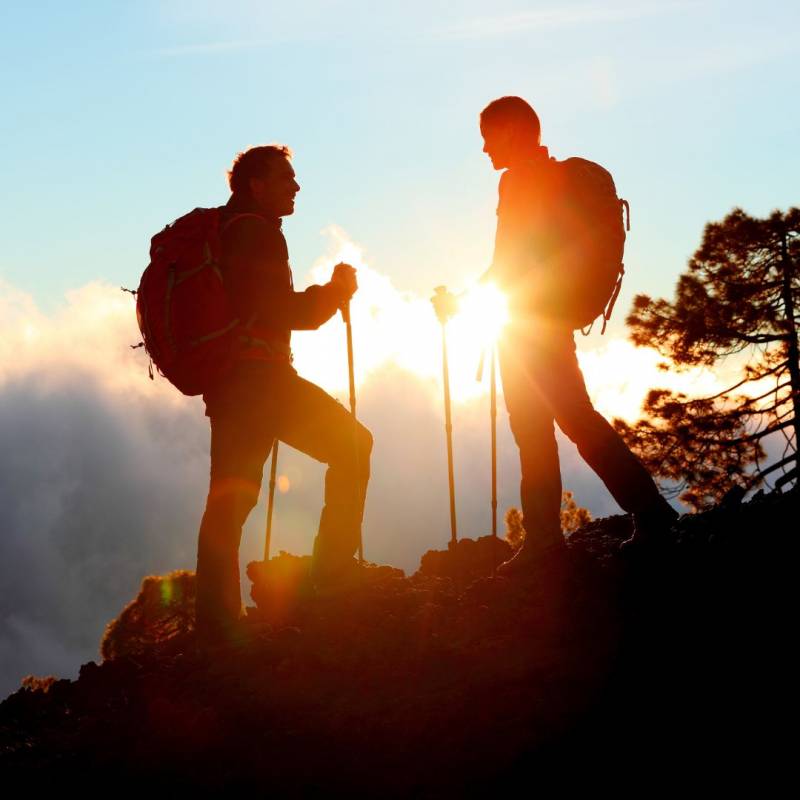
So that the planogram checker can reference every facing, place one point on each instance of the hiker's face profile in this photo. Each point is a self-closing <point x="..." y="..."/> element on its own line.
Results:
<point x="275" y="193"/>
<point x="498" y="144"/>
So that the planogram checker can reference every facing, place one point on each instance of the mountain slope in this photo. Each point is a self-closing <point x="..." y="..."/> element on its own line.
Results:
<point x="433" y="686"/>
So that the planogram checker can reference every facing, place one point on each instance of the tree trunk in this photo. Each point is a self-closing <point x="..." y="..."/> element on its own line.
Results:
<point x="793" y="351"/>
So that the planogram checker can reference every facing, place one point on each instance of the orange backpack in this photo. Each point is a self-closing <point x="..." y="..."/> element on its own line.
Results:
<point x="592" y="235"/>
<point x="182" y="308"/>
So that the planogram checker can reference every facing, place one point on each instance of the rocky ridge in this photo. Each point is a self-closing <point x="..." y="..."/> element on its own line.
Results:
<point x="441" y="683"/>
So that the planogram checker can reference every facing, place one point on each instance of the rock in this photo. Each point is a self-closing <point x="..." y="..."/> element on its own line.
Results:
<point x="431" y="686"/>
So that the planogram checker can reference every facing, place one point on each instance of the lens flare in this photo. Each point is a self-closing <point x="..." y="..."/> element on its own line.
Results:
<point x="394" y="327"/>
<point x="482" y="313"/>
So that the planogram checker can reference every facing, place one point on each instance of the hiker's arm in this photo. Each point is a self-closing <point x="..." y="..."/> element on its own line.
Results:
<point x="504" y="267"/>
<point x="309" y="309"/>
<point x="518" y="246"/>
<point x="259" y="281"/>
<point x="317" y="304"/>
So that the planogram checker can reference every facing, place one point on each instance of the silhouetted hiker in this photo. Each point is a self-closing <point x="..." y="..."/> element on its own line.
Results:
<point x="263" y="397"/>
<point x="542" y="381"/>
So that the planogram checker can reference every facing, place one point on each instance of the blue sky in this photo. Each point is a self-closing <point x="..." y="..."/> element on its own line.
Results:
<point x="120" y="117"/>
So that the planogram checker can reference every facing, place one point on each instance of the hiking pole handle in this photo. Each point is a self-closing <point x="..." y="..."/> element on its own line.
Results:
<point x="344" y="278"/>
<point x="445" y="304"/>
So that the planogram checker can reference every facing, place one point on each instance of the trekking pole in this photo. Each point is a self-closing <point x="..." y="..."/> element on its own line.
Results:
<point x="444" y="306"/>
<point x="493" y="429"/>
<point x="493" y="415"/>
<point x="352" y="375"/>
<point x="271" y="502"/>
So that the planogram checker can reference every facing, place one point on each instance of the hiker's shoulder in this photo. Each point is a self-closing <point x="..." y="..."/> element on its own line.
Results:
<point x="235" y="225"/>
<point x="242" y="213"/>
<point x="249" y="231"/>
<point x="518" y="187"/>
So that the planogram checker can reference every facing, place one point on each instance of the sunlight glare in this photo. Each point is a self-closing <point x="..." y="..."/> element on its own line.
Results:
<point x="482" y="313"/>
<point x="393" y="327"/>
<point x="398" y="329"/>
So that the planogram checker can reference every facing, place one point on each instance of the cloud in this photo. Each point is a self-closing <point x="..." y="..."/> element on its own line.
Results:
<point x="557" y="16"/>
<point x="104" y="472"/>
<point x="97" y="489"/>
<point x="211" y="48"/>
<point x="619" y="376"/>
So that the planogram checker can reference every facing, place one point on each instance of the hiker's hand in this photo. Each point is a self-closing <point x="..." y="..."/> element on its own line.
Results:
<point x="487" y="276"/>
<point x="344" y="278"/>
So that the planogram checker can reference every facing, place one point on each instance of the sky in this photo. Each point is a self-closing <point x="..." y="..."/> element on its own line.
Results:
<point x="118" y="118"/>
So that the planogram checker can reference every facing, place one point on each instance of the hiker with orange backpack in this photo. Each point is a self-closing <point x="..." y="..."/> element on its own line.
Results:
<point x="558" y="256"/>
<point x="216" y="307"/>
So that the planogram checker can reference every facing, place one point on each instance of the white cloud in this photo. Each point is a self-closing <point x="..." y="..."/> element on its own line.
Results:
<point x="104" y="473"/>
<point x="558" y="16"/>
<point x="619" y="376"/>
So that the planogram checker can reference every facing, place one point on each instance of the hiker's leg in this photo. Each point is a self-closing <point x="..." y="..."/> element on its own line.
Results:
<point x="598" y="443"/>
<point x="532" y="426"/>
<point x="239" y="447"/>
<point x="311" y="421"/>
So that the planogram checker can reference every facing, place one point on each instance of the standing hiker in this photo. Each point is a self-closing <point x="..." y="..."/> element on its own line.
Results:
<point x="262" y="397"/>
<point x="542" y="381"/>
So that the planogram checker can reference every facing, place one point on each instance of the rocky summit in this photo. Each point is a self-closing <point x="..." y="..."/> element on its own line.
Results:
<point x="664" y="665"/>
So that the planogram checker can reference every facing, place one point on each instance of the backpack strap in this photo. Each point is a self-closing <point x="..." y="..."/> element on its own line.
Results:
<point x="614" y="295"/>
<point x="236" y="217"/>
<point x="253" y="344"/>
<point x="626" y="207"/>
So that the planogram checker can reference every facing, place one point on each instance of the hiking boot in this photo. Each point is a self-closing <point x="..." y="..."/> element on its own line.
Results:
<point x="532" y="555"/>
<point x="651" y="530"/>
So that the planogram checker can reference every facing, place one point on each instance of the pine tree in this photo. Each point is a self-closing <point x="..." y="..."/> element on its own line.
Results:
<point x="738" y="302"/>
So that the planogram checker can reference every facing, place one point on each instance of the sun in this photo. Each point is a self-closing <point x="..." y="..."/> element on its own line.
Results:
<point x="481" y="316"/>
<point x="399" y="328"/>
<point x="472" y="333"/>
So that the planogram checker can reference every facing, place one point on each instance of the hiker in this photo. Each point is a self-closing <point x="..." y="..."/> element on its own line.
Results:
<point x="262" y="397"/>
<point x="542" y="381"/>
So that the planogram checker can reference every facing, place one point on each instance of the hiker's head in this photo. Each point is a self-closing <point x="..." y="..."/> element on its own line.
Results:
<point x="510" y="130"/>
<point x="266" y="175"/>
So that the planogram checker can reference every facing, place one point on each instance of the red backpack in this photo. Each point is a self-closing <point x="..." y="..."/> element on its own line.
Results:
<point x="592" y="234"/>
<point x="182" y="308"/>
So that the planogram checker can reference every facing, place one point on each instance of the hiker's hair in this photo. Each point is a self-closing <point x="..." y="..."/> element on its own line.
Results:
<point x="516" y="111"/>
<point x="255" y="163"/>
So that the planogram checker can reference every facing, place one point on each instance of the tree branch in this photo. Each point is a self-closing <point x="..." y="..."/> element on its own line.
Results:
<point x="777" y="465"/>
<point x="753" y="437"/>
<point x="763" y="338"/>
<point x="777" y="368"/>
